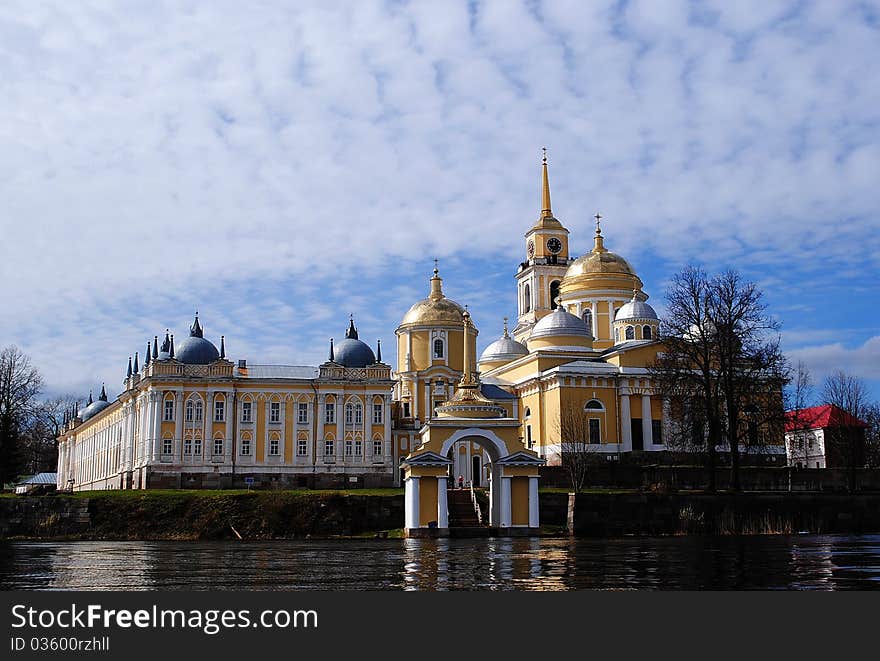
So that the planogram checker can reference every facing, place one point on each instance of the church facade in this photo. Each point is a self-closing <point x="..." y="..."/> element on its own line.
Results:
<point x="584" y="335"/>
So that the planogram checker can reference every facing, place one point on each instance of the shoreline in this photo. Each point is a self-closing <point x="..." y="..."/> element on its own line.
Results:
<point x="167" y="515"/>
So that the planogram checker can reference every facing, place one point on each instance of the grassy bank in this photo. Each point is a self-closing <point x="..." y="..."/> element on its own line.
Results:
<point x="191" y="515"/>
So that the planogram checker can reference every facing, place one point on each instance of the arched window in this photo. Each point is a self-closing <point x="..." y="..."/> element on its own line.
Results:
<point x="349" y="414"/>
<point x="189" y="411"/>
<point x="200" y="412"/>
<point x="527" y="412"/>
<point x="438" y="348"/>
<point x="527" y="299"/>
<point x="646" y="333"/>
<point x="588" y="319"/>
<point x="554" y="294"/>
<point x="358" y="414"/>
<point x="630" y="333"/>
<point x="594" y="405"/>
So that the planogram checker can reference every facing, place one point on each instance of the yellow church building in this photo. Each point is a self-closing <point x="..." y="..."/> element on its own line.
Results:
<point x="584" y="335"/>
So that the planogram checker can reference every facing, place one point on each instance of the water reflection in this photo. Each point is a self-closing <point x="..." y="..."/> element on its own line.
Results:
<point x="799" y="562"/>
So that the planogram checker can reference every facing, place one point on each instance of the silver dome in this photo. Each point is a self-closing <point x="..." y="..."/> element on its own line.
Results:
<point x="92" y="409"/>
<point x="505" y="348"/>
<point x="635" y="309"/>
<point x="560" y="322"/>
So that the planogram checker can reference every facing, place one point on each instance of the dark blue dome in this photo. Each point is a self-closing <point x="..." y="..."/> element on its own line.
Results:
<point x="354" y="353"/>
<point x="196" y="351"/>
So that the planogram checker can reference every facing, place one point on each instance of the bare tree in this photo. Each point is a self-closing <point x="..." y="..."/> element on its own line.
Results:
<point x="38" y="441"/>
<point x="872" y="436"/>
<point x="20" y="383"/>
<point x="575" y="449"/>
<point x="685" y="372"/>
<point x="845" y="444"/>
<point x="721" y="369"/>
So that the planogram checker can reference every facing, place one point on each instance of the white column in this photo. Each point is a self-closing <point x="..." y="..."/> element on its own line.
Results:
<point x="408" y="351"/>
<point x="411" y="491"/>
<point x="647" y="429"/>
<point x="626" y="443"/>
<point x="387" y="431"/>
<point x="611" y="320"/>
<point x="493" y="492"/>
<point x="230" y="414"/>
<point x="178" y="421"/>
<point x="442" y="508"/>
<point x="594" y="319"/>
<point x="533" y="503"/>
<point x="505" y="502"/>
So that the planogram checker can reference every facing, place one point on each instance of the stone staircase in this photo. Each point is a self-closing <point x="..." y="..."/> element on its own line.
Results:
<point x="461" y="509"/>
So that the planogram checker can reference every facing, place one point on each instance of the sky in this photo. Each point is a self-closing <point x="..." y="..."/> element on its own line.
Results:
<point x="278" y="166"/>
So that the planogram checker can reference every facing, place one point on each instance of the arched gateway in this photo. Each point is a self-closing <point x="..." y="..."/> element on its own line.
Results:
<point x="513" y="469"/>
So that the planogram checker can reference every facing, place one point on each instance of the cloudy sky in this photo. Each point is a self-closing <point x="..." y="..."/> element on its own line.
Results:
<point x="279" y="165"/>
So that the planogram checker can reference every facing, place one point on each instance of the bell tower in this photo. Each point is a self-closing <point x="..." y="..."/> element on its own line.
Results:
<point x="539" y="276"/>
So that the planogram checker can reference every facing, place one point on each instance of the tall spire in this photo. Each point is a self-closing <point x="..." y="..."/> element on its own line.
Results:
<point x="128" y="374"/>
<point x="171" y="352"/>
<point x="598" y="241"/>
<point x="103" y="396"/>
<point x="546" y="211"/>
<point x="136" y="368"/>
<point x="155" y="347"/>
<point x="149" y="356"/>
<point x="378" y="351"/>
<point x="351" y="332"/>
<point x="222" y="346"/>
<point x="332" y="357"/>
<point x="166" y="343"/>
<point x="90" y="398"/>
<point x="196" y="329"/>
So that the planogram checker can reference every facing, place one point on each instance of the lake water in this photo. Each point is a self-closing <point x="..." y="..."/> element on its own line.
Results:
<point x="694" y="563"/>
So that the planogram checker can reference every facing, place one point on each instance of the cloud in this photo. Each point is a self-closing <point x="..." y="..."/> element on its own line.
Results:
<point x="862" y="361"/>
<point x="278" y="164"/>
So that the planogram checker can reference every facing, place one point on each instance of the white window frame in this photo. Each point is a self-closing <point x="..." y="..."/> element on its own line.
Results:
<point x="302" y="448"/>
<point x="329" y="413"/>
<point x="331" y="446"/>
<point x="247" y="412"/>
<point x="220" y="442"/>
<point x="219" y="410"/>
<point x="274" y="413"/>
<point x="167" y="446"/>
<point x="274" y="447"/>
<point x="378" y="413"/>
<point x="302" y="413"/>
<point x="245" y="447"/>
<point x="168" y="415"/>
<point x="377" y="448"/>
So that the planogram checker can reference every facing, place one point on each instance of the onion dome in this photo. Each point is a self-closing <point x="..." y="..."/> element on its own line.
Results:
<point x="351" y="352"/>
<point x="436" y="309"/>
<point x="502" y="350"/>
<point x="93" y="408"/>
<point x="165" y="349"/>
<point x="196" y="350"/>
<point x="636" y="310"/>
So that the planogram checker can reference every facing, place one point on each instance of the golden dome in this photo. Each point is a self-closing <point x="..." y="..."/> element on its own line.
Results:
<point x="600" y="263"/>
<point x="436" y="309"/>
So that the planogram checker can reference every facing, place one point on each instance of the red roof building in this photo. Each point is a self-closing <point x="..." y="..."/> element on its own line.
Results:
<point x="823" y="437"/>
